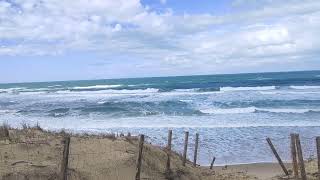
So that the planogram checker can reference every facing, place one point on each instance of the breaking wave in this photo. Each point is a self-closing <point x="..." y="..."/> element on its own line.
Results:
<point x="255" y="110"/>
<point x="258" y="88"/>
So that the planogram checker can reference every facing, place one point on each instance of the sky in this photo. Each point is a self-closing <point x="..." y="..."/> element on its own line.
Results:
<point x="50" y="40"/>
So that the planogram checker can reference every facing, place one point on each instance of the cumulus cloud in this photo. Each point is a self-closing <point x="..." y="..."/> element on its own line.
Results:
<point x="259" y="32"/>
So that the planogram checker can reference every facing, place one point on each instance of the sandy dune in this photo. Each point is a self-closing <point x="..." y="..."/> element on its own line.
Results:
<point x="36" y="154"/>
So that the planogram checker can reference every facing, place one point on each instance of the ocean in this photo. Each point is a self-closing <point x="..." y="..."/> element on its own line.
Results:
<point x="232" y="113"/>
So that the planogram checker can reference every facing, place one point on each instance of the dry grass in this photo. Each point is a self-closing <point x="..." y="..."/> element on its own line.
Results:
<point x="4" y="131"/>
<point x="36" y="154"/>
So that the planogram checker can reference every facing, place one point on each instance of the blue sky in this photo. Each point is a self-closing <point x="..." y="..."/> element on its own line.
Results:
<point x="47" y="40"/>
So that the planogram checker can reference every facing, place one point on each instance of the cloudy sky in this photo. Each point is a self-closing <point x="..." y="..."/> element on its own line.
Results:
<point x="45" y="40"/>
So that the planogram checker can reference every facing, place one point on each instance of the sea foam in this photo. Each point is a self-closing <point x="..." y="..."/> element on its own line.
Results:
<point x="304" y="87"/>
<point x="258" y="88"/>
<point x="98" y="86"/>
<point x="255" y="110"/>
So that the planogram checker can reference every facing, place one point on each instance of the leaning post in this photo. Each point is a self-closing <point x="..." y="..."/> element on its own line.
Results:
<point x="212" y="162"/>
<point x="300" y="158"/>
<point x="277" y="156"/>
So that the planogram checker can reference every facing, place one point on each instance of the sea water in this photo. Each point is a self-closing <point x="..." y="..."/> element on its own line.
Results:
<point x="232" y="113"/>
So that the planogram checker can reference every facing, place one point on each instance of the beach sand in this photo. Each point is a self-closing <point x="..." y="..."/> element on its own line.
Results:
<point x="260" y="170"/>
<point x="32" y="153"/>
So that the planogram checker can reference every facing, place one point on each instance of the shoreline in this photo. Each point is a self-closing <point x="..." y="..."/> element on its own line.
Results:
<point x="262" y="171"/>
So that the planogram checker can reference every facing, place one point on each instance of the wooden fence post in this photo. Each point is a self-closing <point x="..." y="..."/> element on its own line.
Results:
<point x="139" y="159"/>
<point x="300" y="158"/>
<point x="318" y="155"/>
<point x="65" y="159"/>
<point x="212" y="162"/>
<point x="196" y="150"/>
<point x="186" y="137"/>
<point x="277" y="156"/>
<point x="294" y="156"/>
<point x="169" y="151"/>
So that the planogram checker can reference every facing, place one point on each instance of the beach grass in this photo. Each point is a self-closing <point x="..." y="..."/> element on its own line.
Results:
<point x="37" y="154"/>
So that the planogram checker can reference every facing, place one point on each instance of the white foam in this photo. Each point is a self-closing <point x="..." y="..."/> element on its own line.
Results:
<point x="112" y="91"/>
<point x="12" y="90"/>
<point x="298" y="111"/>
<point x="135" y="91"/>
<point x="7" y="111"/>
<point x="289" y="92"/>
<point x="186" y="90"/>
<point x="186" y="100"/>
<point x="258" y="88"/>
<point x="99" y="86"/>
<point x="254" y="109"/>
<point x="58" y="85"/>
<point x="229" y="110"/>
<point x="304" y="87"/>
<point x="270" y="92"/>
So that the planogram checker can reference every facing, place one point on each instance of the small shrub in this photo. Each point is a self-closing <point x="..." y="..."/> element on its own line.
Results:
<point x="37" y="127"/>
<point x="4" y="130"/>
<point x="25" y="126"/>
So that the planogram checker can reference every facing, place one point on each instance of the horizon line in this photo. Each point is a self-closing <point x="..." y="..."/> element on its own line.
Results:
<point x="264" y="72"/>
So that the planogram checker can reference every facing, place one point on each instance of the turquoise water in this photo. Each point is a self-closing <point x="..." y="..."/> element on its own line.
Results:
<point x="233" y="113"/>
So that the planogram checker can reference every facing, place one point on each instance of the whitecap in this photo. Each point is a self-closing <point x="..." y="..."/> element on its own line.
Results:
<point x="254" y="110"/>
<point x="112" y="91"/>
<point x="281" y="110"/>
<point x="98" y="86"/>
<point x="228" y="110"/>
<point x="186" y="100"/>
<point x="58" y="85"/>
<point x="304" y="87"/>
<point x="258" y="88"/>
<point x="187" y="90"/>
<point x="8" y="111"/>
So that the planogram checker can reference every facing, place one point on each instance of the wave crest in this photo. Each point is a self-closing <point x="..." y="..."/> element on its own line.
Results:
<point x="97" y="87"/>
<point x="257" y="88"/>
<point x="304" y="87"/>
<point x="255" y="110"/>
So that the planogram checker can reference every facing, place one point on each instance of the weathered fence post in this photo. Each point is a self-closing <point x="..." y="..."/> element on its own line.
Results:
<point x="318" y="155"/>
<point x="196" y="150"/>
<point x="294" y="156"/>
<point x="212" y="162"/>
<point x="186" y="137"/>
<point x="139" y="159"/>
<point x="300" y="158"/>
<point x="65" y="159"/>
<point x="277" y="156"/>
<point x="169" y="151"/>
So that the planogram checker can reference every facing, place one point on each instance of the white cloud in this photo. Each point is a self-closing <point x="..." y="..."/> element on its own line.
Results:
<point x="268" y="30"/>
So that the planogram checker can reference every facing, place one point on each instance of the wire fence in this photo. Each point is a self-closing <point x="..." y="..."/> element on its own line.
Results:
<point x="29" y="154"/>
